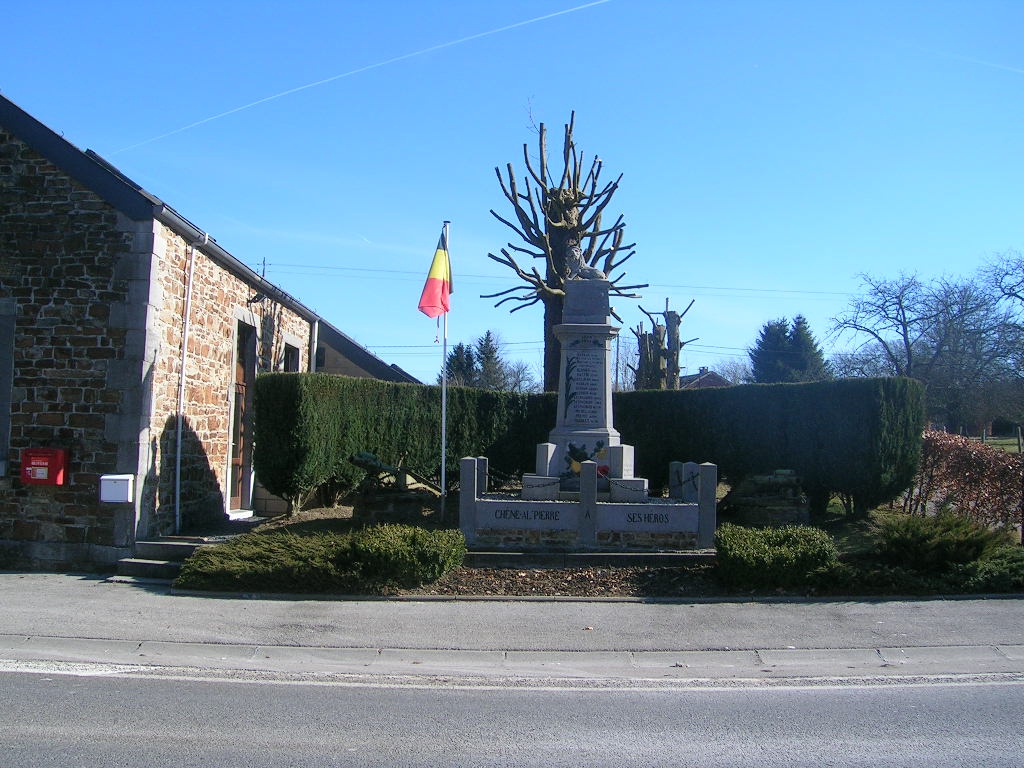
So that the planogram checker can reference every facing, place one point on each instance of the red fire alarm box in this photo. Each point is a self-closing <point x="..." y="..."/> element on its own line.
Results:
<point x="43" y="466"/>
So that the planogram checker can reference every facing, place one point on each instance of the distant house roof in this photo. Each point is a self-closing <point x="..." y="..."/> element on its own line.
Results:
<point x="103" y="178"/>
<point x="704" y="379"/>
<point x="361" y="357"/>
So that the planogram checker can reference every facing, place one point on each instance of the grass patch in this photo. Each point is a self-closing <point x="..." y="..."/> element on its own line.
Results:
<point x="1008" y="444"/>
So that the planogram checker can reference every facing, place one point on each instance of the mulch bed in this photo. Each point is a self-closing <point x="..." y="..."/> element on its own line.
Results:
<point x="689" y="581"/>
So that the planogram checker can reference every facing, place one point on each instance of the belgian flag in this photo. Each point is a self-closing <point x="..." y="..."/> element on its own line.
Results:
<point x="434" y="301"/>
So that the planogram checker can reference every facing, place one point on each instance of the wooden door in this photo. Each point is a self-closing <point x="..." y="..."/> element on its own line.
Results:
<point x="241" y="420"/>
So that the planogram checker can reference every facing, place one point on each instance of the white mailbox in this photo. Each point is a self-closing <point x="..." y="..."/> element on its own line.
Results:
<point x="117" y="488"/>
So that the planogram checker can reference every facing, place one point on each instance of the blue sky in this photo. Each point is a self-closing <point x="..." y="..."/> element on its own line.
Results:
<point x="770" y="151"/>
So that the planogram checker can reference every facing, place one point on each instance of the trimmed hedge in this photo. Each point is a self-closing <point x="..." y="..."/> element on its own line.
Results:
<point x="307" y="425"/>
<point x="856" y="437"/>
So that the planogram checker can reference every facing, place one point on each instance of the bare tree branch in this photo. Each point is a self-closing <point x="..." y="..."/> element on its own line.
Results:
<point x="553" y="220"/>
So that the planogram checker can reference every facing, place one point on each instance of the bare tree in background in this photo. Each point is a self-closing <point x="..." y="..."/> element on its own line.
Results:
<point x="559" y="218"/>
<point x="1007" y="274"/>
<point x="957" y="336"/>
<point x="735" y="370"/>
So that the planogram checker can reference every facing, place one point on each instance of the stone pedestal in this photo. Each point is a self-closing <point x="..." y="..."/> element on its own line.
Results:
<point x="583" y="428"/>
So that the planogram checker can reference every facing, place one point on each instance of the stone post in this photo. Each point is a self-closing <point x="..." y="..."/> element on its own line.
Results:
<point x="467" y="498"/>
<point x="482" y="470"/>
<point x="588" y="502"/>
<point x="707" y="487"/>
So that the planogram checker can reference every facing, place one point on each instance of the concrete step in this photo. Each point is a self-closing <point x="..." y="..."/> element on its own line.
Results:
<point x="176" y="549"/>
<point x="149" y="569"/>
<point x="587" y="559"/>
<point x="160" y="558"/>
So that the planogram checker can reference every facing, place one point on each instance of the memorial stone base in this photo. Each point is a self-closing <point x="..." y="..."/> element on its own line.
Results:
<point x="589" y="520"/>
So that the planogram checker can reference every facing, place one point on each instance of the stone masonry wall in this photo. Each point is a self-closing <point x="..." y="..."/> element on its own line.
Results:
<point x="98" y="331"/>
<point x="219" y="302"/>
<point x="59" y="244"/>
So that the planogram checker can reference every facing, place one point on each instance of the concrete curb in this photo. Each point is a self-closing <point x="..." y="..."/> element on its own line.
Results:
<point x="722" y="664"/>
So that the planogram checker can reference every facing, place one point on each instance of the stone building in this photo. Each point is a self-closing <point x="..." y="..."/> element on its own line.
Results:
<point x="129" y="342"/>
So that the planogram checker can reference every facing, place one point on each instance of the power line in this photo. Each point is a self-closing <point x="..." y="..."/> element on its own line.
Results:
<point x="327" y="269"/>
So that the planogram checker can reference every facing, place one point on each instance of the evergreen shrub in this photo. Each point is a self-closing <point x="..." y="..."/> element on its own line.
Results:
<point x="999" y="570"/>
<point x="368" y="561"/>
<point x="403" y="555"/>
<point x="934" y="544"/>
<point x="767" y="558"/>
<point x="270" y="562"/>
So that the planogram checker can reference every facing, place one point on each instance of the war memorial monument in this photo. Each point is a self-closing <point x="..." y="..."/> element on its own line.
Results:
<point x="583" y="495"/>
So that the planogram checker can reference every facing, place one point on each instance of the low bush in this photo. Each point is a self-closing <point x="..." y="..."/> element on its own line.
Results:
<point x="403" y="555"/>
<point x="967" y="477"/>
<point x="769" y="558"/>
<point x="934" y="544"/>
<point x="371" y="560"/>
<point x="1000" y="570"/>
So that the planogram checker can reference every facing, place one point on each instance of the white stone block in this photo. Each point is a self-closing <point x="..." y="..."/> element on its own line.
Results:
<point x="633" y="490"/>
<point x="545" y="458"/>
<point x="540" y="488"/>
<point x="620" y="461"/>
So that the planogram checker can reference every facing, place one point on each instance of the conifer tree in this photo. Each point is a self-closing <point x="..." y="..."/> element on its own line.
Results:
<point x="481" y="365"/>
<point x="461" y="366"/>
<point x="787" y="353"/>
<point x="491" y="369"/>
<point x="807" y="362"/>
<point x="767" y="357"/>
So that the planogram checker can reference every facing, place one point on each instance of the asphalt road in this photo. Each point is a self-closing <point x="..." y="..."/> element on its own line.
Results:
<point x="67" y="619"/>
<point x="94" y="672"/>
<point x="111" y="720"/>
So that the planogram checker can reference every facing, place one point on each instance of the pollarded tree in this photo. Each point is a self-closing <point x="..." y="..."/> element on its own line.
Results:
<point x="559" y="218"/>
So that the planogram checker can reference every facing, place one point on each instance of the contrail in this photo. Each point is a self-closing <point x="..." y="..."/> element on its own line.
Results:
<point x="368" y="67"/>
<point x="984" y="63"/>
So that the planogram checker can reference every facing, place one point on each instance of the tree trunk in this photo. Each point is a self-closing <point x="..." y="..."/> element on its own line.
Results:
<point x="552" y="347"/>
<point x="561" y="239"/>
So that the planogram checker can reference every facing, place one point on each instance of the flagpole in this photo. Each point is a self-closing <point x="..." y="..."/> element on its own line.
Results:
<point x="444" y="388"/>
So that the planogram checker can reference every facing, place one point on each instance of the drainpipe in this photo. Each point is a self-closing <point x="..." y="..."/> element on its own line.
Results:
<point x="314" y="340"/>
<point x="181" y="378"/>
